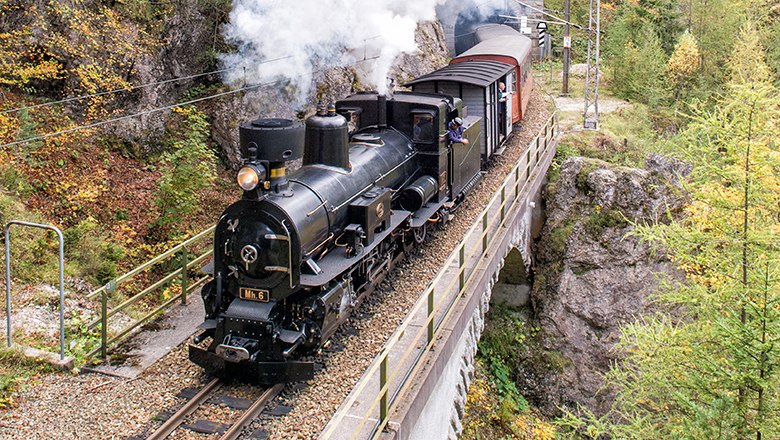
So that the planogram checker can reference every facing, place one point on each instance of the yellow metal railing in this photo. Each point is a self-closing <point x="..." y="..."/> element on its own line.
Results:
<point x="184" y="264"/>
<point x="488" y="227"/>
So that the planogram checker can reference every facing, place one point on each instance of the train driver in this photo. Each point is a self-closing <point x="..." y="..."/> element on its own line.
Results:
<point x="456" y="131"/>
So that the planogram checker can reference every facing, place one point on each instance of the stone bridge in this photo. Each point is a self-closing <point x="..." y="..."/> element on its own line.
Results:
<point x="416" y="388"/>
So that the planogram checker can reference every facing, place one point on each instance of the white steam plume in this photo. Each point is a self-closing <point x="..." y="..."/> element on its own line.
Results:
<point x="284" y="39"/>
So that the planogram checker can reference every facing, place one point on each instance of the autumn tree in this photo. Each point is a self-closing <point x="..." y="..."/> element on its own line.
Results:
<point x="708" y="366"/>
<point x="683" y="65"/>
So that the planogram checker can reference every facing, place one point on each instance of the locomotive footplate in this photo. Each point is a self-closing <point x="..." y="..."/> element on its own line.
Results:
<point x="261" y="373"/>
<point x="422" y="215"/>
<point x="334" y="263"/>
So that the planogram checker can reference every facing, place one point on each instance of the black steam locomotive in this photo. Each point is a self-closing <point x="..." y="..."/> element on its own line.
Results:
<point x="298" y="252"/>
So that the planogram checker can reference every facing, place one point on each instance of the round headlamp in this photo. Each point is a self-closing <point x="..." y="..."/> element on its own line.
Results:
<point x="249" y="177"/>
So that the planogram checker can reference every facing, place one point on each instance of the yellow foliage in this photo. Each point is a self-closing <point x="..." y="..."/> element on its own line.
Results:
<point x="684" y="62"/>
<point x="747" y="62"/>
<point x="482" y="418"/>
<point x="73" y="50"/>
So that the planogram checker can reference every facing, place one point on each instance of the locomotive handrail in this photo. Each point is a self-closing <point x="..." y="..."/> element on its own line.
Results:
<point x="181" y="271"/>
<point x="431" y="326"/>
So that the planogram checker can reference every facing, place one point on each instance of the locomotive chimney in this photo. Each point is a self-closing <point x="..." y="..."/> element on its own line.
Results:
<point x="381" y="111"/>
<point x="327" y="139"/>
<point x="271" y="141"/>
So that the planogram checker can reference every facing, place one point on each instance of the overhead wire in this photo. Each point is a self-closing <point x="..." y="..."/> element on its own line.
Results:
<point x="127" y="89"/>
<point x="158" y="109"/>
<point x="559" y="19"/>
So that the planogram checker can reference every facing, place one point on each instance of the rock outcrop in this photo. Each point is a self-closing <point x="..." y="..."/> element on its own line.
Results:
<point x="591" y="276"/>
<point x="188" y="47"/>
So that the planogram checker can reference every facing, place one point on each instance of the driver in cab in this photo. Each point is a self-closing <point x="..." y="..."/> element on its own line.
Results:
<point x="456" y="132"/>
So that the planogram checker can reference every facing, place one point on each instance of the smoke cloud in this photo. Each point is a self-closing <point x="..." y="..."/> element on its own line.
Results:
<point x="291" y="40"/>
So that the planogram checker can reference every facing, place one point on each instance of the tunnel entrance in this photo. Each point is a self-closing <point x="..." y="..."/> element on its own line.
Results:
<point x="469" y="20"/>
<point x="514" y="283"/>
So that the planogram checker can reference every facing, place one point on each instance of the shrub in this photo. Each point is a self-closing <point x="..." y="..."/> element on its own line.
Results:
<point x="188" y="167"/>
<point x="89" y="254"/>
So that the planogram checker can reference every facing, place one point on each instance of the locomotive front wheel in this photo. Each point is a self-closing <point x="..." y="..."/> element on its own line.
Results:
<point x="420" y="233"/>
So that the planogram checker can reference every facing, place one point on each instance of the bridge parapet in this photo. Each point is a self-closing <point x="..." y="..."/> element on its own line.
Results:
<point x="427" y="364"/>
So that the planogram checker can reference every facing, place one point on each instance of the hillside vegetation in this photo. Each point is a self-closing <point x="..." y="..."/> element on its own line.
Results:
<point x="700" y="358"/>
<point x="120" y="191"/>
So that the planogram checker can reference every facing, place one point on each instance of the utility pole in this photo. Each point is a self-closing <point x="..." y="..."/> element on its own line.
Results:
<point x="566" y="49"/>
<point x="591" y="113"/>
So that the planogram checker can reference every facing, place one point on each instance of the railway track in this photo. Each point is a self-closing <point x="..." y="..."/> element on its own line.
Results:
<point x="202" y="397"/>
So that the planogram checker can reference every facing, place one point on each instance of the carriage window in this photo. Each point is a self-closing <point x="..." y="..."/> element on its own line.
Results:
<point x="423" y="128"/>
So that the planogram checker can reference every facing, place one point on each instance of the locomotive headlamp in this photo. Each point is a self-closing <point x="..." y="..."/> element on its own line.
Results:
<point x="250" y="176"/>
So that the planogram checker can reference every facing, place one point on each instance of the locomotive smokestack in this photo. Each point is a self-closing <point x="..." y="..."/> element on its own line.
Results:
<point x="381" y="111"/>
<point x="271" y="141"/>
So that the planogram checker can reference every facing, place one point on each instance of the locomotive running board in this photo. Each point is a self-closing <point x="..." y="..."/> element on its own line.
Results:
<point x="422" y="215"/>
<point x="261" y="373"/>
<point x="335" y="263"/>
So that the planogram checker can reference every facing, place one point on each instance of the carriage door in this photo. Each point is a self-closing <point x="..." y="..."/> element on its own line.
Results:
<point x="490" y="115"/>
<point x="511" y="89"/>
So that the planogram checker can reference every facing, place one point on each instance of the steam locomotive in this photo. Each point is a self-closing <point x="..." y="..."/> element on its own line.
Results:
<point x="299" y="251"/>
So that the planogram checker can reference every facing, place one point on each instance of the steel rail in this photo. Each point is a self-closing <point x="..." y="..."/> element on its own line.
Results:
<point x="251" y="413"/>
<point x="178" y="418"/>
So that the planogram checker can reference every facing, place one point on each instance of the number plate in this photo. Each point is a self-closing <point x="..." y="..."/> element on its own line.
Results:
<point x="253" y="294"/>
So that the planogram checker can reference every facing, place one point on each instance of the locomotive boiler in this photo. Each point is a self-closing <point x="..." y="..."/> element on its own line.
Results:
<point x="299" y="251"/>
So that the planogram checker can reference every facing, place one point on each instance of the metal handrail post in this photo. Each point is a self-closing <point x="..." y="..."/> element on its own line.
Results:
<point x="484" y="234"/>
<point x="461" y="262"/>
<point x="431" y="311"/>
<point x="62" y="293"/>
<point x="184" y="280"/>
<point x="8" y="283"/>
<point x="104" y="324"/>
<point x="8" y="278"/>
<point x="382" y="384"/>
<point x="503" y="203"/>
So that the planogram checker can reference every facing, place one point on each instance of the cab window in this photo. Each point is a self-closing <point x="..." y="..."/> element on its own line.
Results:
<point x="422" y="128"/>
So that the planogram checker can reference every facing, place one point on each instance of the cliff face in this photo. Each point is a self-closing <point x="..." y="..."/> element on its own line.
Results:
<point x="188" y="41"/>
<point x="56" y="50"/>
<point x="591" y="277"/>
<point x="331" y="85"/>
